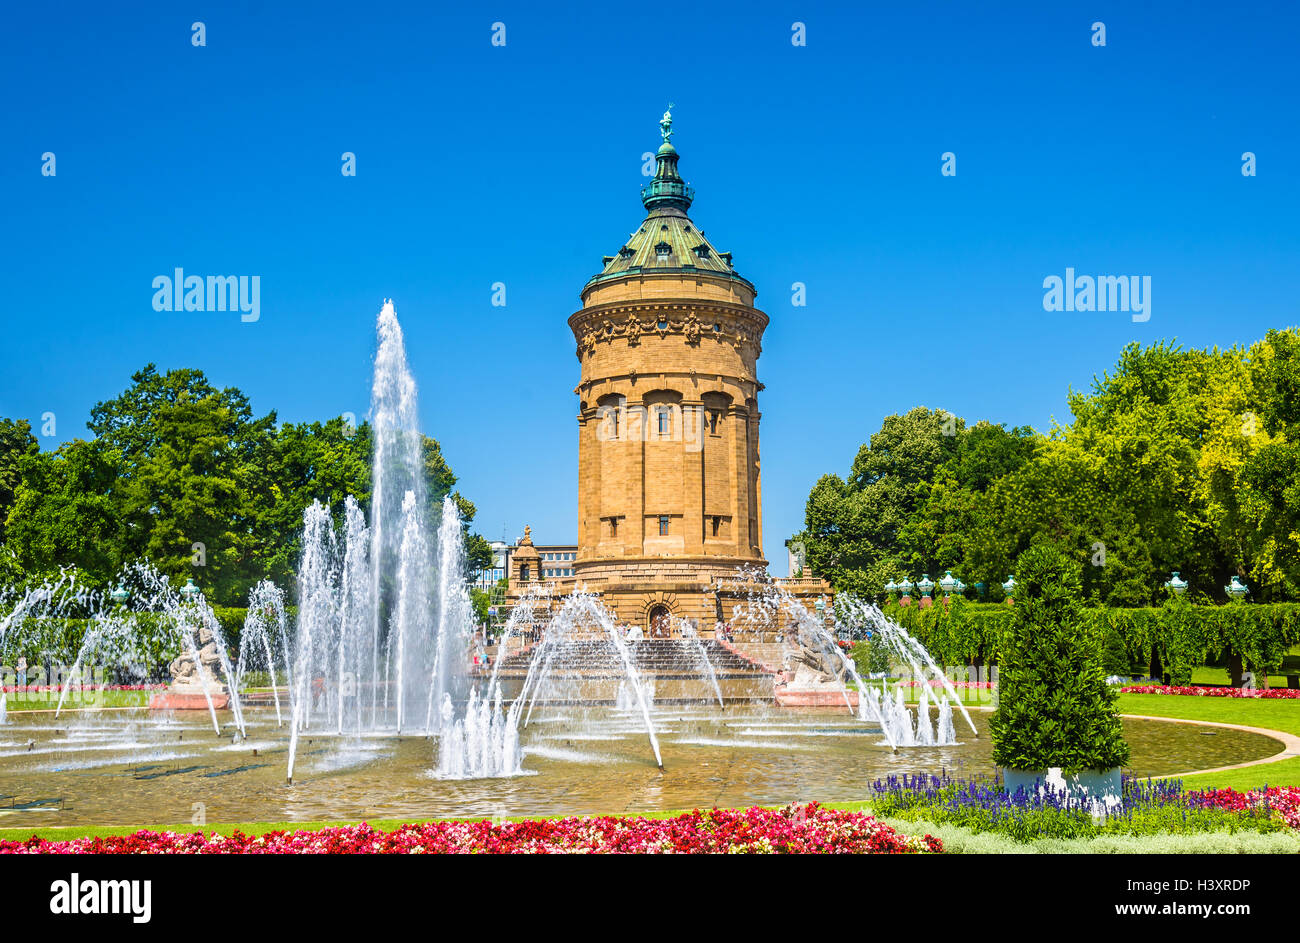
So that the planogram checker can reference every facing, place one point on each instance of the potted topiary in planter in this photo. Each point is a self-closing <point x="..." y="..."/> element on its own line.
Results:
<point x="1056" y="717"/>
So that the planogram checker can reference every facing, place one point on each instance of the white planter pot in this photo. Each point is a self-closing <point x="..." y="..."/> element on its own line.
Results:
<point x="1089" y="783"/>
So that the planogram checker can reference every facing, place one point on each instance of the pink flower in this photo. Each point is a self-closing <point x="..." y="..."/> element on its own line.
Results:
<point x="793" y="829"/>
<point x="1197" y="691"/>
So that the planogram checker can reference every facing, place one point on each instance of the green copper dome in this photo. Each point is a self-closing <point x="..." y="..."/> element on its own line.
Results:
<point x="667" y="241"/>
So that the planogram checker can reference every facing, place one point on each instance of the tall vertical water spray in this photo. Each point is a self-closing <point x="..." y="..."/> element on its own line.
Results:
<point x="384" y="616"/>
<point x="455" y="612"/>
<point x="400" y="576"/>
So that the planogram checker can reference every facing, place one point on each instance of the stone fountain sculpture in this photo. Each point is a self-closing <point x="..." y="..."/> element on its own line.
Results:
<point x="808" y="666"/>
<point x="206" y="673"/>
<point x="194" y="683"/>
<point x="813" y="672"/>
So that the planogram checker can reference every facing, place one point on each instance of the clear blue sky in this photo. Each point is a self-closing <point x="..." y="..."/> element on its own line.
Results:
<point x="521" y="164"/>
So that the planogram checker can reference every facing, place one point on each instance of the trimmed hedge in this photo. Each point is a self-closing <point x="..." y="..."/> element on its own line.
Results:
<point x="1182" y="635"/>
<point x="59" y="640"/>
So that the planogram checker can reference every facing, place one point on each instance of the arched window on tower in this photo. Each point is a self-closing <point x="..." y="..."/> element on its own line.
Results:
<point x="715" y="411"/>
<point x="609" y="414"/>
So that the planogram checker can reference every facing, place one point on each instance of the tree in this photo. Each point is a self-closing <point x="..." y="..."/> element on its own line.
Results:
<point x="64" y="512"/>
<point x="852" y="528"/>
<point x="16" y="443"/>
<point x="194" y="486"/>
<point x="1055" y="708"/>
<point x="1269" y="477"/>
<point x="941" y="534"/>
<point x="314" y="461"/>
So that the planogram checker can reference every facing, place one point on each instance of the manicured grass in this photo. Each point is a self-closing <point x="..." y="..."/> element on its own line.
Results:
<point x="87" y="700"/>
<point x="971" y="697"/>
<point x="1283" y="773"/>
<point x="1281" y="714"/>
<point x="1218" y="674"/>
<point x="1209" y="674"/>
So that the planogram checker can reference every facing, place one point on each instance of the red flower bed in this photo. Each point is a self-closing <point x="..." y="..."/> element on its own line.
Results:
<point x="1285" y="801"/>
<point x="1210" y="692"/>
<point x="80" y="688"/>
<point x="794" y="829"/>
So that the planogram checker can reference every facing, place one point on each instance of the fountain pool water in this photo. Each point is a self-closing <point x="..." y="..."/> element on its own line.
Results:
<point x="136" y="767"/>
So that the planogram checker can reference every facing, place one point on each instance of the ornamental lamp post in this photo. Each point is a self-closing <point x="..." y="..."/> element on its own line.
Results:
<point x="1236" y="589"/>
<point x="905" y="589"/>
<point x="1176" y="584"/>
<point x="1009" y="587"/>
<point x="926" y="586"/>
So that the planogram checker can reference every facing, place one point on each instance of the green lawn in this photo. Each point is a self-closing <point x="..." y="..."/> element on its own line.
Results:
<point x="1209" y="674"/>
<point x="1278" y="714"/>
<point x="90" y="700"/>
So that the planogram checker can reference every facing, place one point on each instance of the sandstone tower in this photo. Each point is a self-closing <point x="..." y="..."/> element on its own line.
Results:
<point x="668" y="476"/>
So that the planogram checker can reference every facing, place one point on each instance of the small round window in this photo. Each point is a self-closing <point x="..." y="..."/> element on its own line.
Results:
<point x="663" y="324"/>
<point x="717" y="327"/>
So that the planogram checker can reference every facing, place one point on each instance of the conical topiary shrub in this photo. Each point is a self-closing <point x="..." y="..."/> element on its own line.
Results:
<point x="1055" y="708"/>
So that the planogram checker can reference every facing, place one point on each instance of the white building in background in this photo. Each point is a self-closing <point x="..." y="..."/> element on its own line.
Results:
<point x="488" y="577"/>
<point x="552" y="562"/>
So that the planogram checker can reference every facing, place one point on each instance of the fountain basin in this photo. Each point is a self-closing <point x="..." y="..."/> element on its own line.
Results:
<point x="134" y="767"/>
<point x="188" y="701"/>
<point x="828" y="696"/>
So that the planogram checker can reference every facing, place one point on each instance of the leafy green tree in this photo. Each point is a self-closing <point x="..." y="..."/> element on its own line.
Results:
<point x="1268" y="485"/>
<point x="16" y="443"/>
<point x="313" y="461"/>
<point x="940" y="534"/>
<point x="194" y="483"/>
<point x="64" y="512"/>
<point x="1055" y="708"/>
<point x="852" y="528"/>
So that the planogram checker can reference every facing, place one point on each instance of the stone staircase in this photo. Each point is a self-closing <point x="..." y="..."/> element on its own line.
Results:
<point x="591" y="670"/>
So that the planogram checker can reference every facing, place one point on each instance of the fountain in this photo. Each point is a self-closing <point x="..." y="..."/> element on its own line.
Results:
<point x="384" y="618"/>
<point x="580" y="626"/>
<point x="377" y="659"/>
<point x="688" y="632"/>
<point x="817" y="671"/>
<point x="484" y="744"/>
<point x="264" y="634"/>
<point x="865" y="619"/>
<point x="527" y="613"/>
